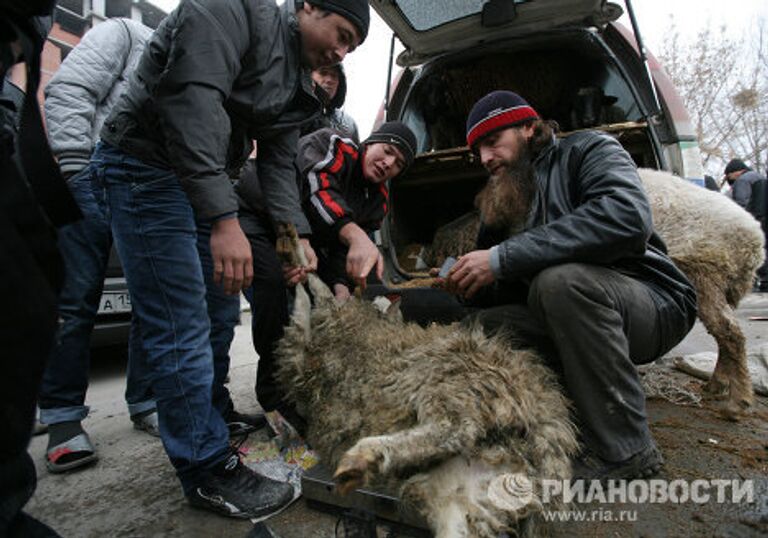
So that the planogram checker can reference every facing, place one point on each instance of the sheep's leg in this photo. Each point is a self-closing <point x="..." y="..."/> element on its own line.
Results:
<point x="302" y="312"/>
<point x="320" y="291"/>
<point x="730" y="380"/>
<point x="290" y="251"/>
<point x="383" y="454"/>
<point x="481" y="497"/>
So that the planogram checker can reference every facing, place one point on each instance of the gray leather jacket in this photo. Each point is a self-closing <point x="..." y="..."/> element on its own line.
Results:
<point x="590" y="207"/>
<point x="216" y="75"/>
<point x="86" y="87"/>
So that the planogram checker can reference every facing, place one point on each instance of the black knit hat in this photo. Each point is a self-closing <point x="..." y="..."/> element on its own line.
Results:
<point x="399" y="135"/>
<point x="355" y="11"/>
<point x="734" y="165"/>
<point x="497" y="110"/>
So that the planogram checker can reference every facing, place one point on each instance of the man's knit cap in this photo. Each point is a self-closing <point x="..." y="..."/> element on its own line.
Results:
<point x="735" y="165"/>
<point x="355" y="11"/>
<point x="399" y="135"/>
<point x="497" y="110"/>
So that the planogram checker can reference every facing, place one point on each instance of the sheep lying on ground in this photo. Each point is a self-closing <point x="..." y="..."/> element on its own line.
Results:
<point x="462" y="424"/>
<point x="716" y="243"/>
<point x="719" y="246"/>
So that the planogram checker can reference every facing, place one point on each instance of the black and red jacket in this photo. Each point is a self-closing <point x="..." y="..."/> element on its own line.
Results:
<point x="334" y="193"/>
<point x="333" y="189"/>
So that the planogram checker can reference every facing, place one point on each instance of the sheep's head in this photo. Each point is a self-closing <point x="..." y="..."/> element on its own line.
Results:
<point x="388" y="307"/>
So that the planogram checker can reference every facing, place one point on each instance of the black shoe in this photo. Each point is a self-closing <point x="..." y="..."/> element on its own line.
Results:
<point x="644" y="464"/>
<point x="242" y="423"/>
<point x="234" y="490"/>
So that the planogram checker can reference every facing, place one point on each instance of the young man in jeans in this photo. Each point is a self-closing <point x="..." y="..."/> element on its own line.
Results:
<point x="77" y="101"/>
<point x="216" y="75"/>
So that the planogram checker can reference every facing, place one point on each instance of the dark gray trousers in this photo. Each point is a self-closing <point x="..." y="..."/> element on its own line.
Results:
<point x="593" y="325"/>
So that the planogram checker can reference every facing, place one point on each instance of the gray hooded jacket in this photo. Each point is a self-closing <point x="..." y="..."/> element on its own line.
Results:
<point x="86" y="87"/>
<point x="216" y="75"/>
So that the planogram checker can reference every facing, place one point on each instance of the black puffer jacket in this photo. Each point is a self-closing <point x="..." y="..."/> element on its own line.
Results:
<point x="216" y="75"/>
<point x="590" y="207"/>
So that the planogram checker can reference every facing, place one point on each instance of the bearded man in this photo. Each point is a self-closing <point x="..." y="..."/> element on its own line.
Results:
<point x="567" y="223"/>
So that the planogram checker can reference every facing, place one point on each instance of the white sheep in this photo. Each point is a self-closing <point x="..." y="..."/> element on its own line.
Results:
<point x="719" y="246"/>
<point x="715" y="242"/>
<point x="465" y="426"/>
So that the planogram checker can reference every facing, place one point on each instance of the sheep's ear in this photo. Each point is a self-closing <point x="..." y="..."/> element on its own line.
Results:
<point x="393" y="312"/>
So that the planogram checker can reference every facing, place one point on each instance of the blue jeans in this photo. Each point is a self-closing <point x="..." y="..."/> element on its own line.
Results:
<point x="155" y="234"/>
<point x="85" y="247"/>
<point x="224" y="314"/>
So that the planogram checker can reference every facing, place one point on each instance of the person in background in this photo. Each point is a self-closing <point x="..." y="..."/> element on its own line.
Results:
<point x="758" y="207"/>
<point x="216" y="75"/>
<point x="740" y="177"/>
<point x="748" y="190"/>
<point x="77" y="101"/>
<point x="34" y="200"/>
<point x="567" y="259"/>
<point x="331" y="88"/>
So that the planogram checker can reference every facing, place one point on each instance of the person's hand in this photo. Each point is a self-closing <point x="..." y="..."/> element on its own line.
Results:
<point x="309" y="252"/>
<point x="362" y="256"/>
<point x="471" y="272"/>
<point x="341" y="292"/>
<point x="295" y="275"/>
<point x="231" y="253"/>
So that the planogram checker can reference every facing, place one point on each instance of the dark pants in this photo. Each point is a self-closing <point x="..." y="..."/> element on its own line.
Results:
<point x="762" y="271"/>
<point x="269" y="298"/>
<point x="31" y="274"/>
<point x="224" y="314"/>
<point x="17" y="484"/>
<point x="85" y="247"/>
<point x="594" y="325"/>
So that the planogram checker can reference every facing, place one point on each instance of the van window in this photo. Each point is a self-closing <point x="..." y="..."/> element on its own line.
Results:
<point x="423" y="15"/>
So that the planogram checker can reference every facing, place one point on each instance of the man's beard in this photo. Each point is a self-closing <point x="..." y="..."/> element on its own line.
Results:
<point x="506" y="199"/>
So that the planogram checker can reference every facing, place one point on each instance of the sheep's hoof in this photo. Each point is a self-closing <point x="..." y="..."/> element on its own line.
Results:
<point x="738" y="405"/>
<point x="715" y="389"/>
<point x="511" y="492"/>
<point x="734" y="398"/>
<point x="350" y="474"/>
<point x="732" y="408"/>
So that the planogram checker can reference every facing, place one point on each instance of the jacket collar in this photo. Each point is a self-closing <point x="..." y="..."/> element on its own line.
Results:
<point x="546" y="150"/>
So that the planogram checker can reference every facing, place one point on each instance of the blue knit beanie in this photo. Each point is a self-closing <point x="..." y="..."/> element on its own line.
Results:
<point x="497" y="110"/>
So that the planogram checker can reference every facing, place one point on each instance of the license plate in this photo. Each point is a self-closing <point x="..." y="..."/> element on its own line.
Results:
<point x="114" y="303"/>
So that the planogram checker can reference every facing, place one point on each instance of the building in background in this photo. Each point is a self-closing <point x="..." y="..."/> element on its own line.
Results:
<point x="72" y="18"/>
